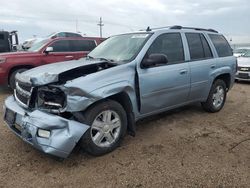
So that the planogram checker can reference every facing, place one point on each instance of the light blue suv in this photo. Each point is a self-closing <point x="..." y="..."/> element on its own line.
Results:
<point x="94" y="101"/>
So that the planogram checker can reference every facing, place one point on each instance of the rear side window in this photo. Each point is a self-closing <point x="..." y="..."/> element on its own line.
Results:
<point x="221" y="45"/>
<point x="61" y="46"/>
<point x="82" y="45"/>
<point x="198" y="46"/>
<point x="169" y="44"/>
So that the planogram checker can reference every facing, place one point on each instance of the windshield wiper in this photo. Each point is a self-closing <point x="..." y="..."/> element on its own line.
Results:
<point x="104" y="59"/>
<point x="101" y="58"/>
<point x="90" y="57"/>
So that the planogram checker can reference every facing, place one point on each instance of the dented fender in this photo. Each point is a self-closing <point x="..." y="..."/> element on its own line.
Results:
<point x="79" y="100"/>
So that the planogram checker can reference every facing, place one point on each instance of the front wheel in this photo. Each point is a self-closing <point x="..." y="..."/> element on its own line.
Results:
<point x="108" y="125"/>
<point x="12" y="82"/>
<point x="216" y="98"/>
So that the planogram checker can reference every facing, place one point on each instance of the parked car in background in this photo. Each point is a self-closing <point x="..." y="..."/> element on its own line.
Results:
<point x="243" y="72"/>
<point x="44" y="52"/>
<point x="8" y="41"/>
<point x="240" y="51"/>
<point x="94" y="101"/>
<point x="29" y="42"/>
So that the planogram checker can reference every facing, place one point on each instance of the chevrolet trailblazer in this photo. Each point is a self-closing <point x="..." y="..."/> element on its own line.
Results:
<point x="94" y="101"/>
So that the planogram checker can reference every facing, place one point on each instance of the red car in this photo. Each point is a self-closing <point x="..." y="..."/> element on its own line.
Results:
<point x="44" y="52"/>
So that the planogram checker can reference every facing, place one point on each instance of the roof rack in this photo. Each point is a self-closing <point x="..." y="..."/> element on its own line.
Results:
<point x="195" y="28"/>
<point x="180" y="27"/>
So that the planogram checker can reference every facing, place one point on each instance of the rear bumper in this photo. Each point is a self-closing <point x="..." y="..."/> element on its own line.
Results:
<point x="64" y="133"/>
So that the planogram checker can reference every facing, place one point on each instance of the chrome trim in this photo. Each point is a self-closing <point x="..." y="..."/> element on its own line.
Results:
<point x="23" y="92"/>
<point x="20" y="102"/>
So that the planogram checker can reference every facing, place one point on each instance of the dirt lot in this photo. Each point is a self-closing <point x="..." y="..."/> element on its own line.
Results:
<point x="184" y="148"/>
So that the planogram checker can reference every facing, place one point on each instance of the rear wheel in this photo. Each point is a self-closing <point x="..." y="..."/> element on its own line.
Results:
<point x="108" y="125"/>
<point x="12" y="77"/>
<point x="216" y="98"/>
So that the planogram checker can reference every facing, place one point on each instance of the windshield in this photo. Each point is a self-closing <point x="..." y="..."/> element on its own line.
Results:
<point x="50" y="35"/>
<point x="37" y="46"/>
<point x="240" y="50"/>
<point x="246" y="54"/>
<point x="120" y="48"/>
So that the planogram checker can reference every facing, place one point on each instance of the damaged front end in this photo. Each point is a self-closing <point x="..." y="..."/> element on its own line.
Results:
<point x="47" y="132"/>
<point x="40" y="110"/>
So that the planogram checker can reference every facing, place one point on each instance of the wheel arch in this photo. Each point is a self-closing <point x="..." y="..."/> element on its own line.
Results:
<point x="226" y="77"/>
<point x="124" y="100"/>
<point x="18" y="67"/>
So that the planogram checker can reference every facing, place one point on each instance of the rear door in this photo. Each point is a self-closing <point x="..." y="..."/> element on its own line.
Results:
<point x="167" y="85"/>
<point x="81" y="48"/>
<point x="202" y="65"/>
<point x="61" y="52"/>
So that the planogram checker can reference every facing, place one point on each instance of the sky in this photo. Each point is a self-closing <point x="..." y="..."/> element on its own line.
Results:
<point x="42" y="17"/>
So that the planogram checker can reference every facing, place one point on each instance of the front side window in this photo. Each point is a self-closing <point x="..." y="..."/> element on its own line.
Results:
<point x="61" y="46"/>
<point x="198" y="46"/>
<point x="221" y="45"/>
<point x="122" y="48"/>
<point x="169" y="44"/>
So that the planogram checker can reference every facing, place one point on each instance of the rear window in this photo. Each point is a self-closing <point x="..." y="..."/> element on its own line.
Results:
<point x="82" y="45"/>
<point x="221" y="45"/>
<point x="198" y="46"/>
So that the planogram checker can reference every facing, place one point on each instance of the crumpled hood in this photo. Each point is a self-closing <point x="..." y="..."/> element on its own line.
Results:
<point x="244" y="61"/>
<point x="50" y="73"/>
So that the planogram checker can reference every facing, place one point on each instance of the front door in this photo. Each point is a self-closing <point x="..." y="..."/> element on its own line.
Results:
<point x="165" y="86"/>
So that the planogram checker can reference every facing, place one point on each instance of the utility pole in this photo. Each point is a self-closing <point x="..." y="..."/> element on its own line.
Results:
<point x="76" y="25"/>
<point x="100" y="24"/>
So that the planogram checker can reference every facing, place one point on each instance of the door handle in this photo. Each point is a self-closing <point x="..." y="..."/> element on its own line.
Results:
<point x="212" y="66"/>
<point x="184" y="71"/>
<point x="69" y="56"/>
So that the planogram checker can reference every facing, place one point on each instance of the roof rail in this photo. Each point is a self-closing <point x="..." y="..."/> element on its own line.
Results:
<point x="195" y="28"/>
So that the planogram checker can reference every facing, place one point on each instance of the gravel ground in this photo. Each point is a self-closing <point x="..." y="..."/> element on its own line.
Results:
<point x="183" y="148"/>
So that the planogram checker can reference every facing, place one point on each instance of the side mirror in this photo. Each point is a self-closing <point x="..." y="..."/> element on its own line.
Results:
<point x="153" y="60"/>
<point x="48" y="49"/>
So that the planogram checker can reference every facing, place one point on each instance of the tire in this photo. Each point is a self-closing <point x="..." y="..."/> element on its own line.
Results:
<point x="93" y="142"/>
<point x="216" y="98"/>
<point x="12" y="83"/>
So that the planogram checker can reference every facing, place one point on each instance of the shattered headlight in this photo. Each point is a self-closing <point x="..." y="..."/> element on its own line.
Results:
<point x="51" y="98"/>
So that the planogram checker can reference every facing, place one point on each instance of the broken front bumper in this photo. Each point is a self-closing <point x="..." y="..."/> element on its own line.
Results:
<point x="64" y="133"/>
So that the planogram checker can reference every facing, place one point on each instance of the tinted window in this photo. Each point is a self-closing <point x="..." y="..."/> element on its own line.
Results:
<point x="206" y="47"/>
<point x="221" y="45"/>
<point x="62" y="34"/>
<point x="82" y="45"/>
<point x="169" y="44"/>
<point x="198" y="46"/>
<point x="1" y="36"/>
<point x="61" y="46"/>
<point x="73" y="35"/>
